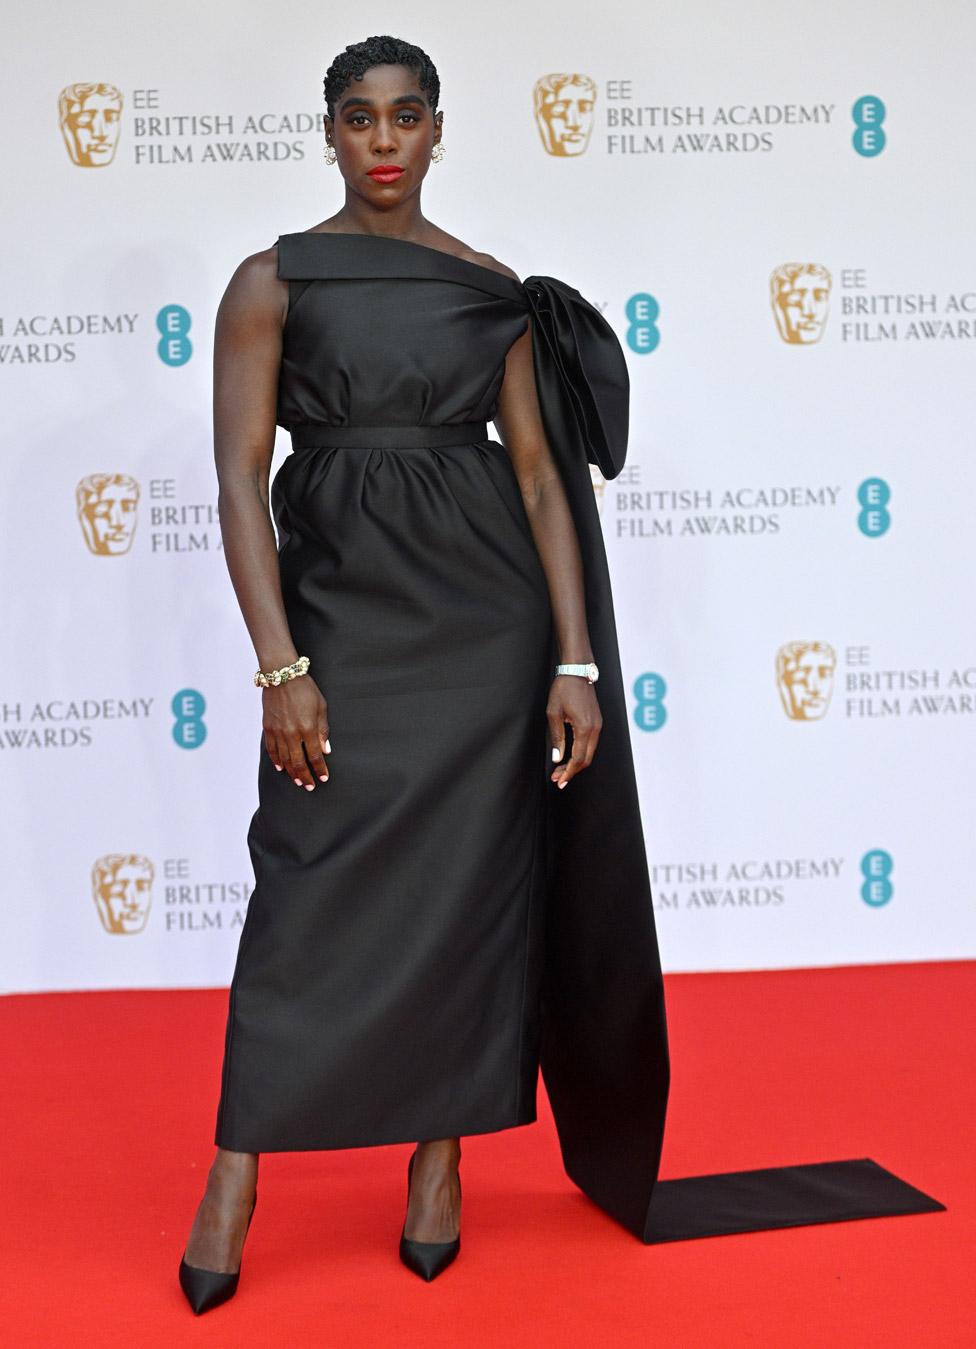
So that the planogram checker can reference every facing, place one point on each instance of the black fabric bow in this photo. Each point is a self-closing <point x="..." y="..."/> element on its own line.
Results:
<point x="581" y="373"/>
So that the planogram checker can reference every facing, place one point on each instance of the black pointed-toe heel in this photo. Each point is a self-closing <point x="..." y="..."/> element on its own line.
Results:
<point x="206" y="1288"/>
<point x="427" y="1258"/>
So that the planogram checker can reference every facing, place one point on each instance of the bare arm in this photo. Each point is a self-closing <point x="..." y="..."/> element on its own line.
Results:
<point x="247" y="356"/>
<point x="519" y="423"/>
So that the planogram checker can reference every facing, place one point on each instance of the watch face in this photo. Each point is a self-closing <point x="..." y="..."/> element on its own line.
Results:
<point x="592" y="673"/>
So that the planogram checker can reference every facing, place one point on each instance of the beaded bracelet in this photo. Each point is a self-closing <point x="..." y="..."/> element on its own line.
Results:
<point x="264" y="679"/>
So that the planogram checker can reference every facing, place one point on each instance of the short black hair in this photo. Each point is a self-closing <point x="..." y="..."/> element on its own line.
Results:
<point x="358" y="57"/>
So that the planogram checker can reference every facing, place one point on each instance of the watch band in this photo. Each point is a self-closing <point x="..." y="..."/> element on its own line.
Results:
<point x="589" y="671"/>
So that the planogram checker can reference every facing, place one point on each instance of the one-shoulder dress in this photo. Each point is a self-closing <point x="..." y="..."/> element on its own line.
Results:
<point x="438" y="923"/>
<point x="430" y="923"/>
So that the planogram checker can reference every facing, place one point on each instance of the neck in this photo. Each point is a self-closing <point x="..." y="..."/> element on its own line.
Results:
<point x="405" y="221"/>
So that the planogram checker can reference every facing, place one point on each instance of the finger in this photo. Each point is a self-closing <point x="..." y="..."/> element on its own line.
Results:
<point x="271" y="746"/>
<point x="316" y="758"/>
<point x="590" y="740"/>
<point x="557" y="734"/>
<point x="297" y="766"/>
<point x="281" y="748"/>
<point x="577" y="759"/>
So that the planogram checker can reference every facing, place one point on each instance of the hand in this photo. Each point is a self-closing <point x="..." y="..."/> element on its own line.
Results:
<point x="296" y="730"/>
<point x="573" y="699"/>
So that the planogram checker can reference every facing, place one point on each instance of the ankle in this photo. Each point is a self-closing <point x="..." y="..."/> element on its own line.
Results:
<point x="233" y="1175"/>
<point x="439" y="1154"/>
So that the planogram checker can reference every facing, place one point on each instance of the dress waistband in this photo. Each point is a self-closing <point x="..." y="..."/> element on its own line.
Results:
<point x="320" y="435"/>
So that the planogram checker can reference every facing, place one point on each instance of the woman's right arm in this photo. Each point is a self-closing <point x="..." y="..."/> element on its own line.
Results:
<point x="247" y="358"/>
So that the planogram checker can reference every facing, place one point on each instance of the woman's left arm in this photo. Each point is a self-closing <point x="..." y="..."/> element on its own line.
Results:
<point x="519" y="423"/>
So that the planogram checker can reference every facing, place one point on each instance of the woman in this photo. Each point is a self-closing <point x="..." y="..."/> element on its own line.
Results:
<point x="428" y="928"/>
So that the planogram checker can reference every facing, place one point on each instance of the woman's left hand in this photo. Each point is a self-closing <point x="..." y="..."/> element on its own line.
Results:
<point x="573" y="699"/>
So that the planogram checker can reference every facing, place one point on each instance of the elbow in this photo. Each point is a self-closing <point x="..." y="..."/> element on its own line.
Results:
<point x="235" y="488"/>
<point x="536" y="486"/>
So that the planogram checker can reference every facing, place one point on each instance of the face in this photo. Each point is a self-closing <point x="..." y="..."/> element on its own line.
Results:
<point x="807" y="682"/>
<point x="383" y="119"/>
<point x="92" y="125"/>
<point x="803" y="308"/>
<point x="108" y="513"/>
<point x="123" y="898"/>
<point x="566" y="118"/>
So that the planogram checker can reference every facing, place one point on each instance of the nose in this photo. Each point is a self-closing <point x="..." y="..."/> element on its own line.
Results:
<point x="384" y="138"/>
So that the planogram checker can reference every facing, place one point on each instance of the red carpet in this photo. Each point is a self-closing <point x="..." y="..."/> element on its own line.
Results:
<point x="109" y="1119"/>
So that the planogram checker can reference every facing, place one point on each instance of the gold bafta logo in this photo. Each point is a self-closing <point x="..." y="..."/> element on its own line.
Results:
<point x="90" y="117"/>
<point x="805" y="677"/>
<point x="599" y="484"/>
<point x="563" y="107"/>
<point x="122" y="890"/>
<point x="107" y="505"/>
<point x="799" y="292"/>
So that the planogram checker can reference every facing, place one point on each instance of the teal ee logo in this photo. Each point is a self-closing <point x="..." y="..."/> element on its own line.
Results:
<point x="643" y="334"/>
<point x="869" y="138"/>
<point x="174" y="347"/>
<point x="876" y="868"/>
<point x="873" y="518"/>
<point x="650" y="713"/>
<point x="189" y="730"/>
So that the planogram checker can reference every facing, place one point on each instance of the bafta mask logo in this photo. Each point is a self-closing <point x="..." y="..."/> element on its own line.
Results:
<point x="122" y="890"/>
<point x="90" y="117"/>
<point x="564" y="112"/>
<point x="107" y="504"/>
<point x="599" y="484"/>
<point x="799" y="292"/>
<point x="805" y="676"/>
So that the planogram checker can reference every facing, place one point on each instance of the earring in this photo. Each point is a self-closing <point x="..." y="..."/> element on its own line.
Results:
<point x="438" y="152"/>
<point x="330" y="154"/>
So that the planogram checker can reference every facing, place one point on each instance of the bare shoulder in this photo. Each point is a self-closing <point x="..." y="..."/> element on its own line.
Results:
<point x="256" y="286"/>
<point x="486" y="260"/>
<point x="460" y="249"/>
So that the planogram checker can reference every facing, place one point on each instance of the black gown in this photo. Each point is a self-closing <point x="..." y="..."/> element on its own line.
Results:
<point x="439" y="921"/>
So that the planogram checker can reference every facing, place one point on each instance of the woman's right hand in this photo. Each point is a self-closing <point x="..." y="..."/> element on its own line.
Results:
<point x="296" y="715"/>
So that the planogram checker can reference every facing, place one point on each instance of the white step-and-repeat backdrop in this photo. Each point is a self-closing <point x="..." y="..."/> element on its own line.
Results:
<point x="772" y="203"/>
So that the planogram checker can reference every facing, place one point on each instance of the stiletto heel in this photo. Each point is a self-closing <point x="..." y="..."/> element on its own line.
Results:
<point x="426" y="1258"/>
<point x="206" y="1288"/>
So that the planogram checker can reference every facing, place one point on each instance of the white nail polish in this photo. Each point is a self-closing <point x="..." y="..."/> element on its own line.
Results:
<point x="309" y="786"/>
<point x="555" y="754"/>
<point x="297" y="782"/>
<point x="564" y="783"/>
<point x="323" y="777"/>
<point x="328" y="747"/>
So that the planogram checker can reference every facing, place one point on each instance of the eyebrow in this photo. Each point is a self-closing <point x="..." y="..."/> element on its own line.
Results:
<point x="368" y="102"/>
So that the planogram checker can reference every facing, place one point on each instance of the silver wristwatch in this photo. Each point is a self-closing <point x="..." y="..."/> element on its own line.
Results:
<point x="590" y="671"/>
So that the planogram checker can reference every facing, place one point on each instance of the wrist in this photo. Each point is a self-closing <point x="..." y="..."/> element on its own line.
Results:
<point x="281" y="675"/>
<point x="587" y="669"/>
<point x="574" y="647"/>
<point x="275" y="660"/>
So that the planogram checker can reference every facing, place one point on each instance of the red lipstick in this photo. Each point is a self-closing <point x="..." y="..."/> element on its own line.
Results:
<point x="385" y="173"/>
